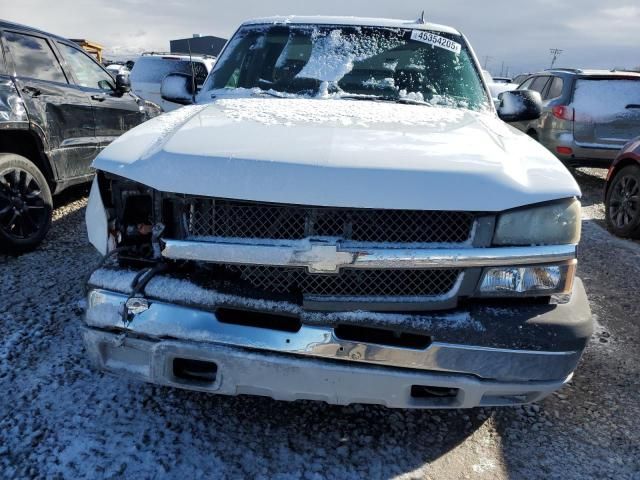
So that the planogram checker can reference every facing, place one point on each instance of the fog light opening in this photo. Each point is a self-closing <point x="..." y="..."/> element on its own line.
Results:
<point x="425" y="391"/>
<point x="195" y="371"/>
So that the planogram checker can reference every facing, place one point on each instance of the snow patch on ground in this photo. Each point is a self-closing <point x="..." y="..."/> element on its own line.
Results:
<point x="486" y="465"/>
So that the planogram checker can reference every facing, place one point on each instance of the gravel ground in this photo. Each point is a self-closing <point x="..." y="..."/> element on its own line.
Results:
<point x="59" y="418"/>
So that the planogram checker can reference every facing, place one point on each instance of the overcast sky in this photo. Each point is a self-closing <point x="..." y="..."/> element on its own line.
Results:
<point x="592" y="33"/>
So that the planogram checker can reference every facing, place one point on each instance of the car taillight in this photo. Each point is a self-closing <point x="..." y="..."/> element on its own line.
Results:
<point x="564" y="150"/>
<point x="564" y="113"/>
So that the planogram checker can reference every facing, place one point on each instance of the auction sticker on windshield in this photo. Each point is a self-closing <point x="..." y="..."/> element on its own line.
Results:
<point x="436" y="40"/>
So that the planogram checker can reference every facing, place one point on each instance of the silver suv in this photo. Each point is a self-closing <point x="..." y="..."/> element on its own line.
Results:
<point x="588" y="115"/>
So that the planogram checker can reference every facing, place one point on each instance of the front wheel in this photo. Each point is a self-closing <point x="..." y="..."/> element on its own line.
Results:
<point x="623" y="203"/>
<point x="25" y="204"/>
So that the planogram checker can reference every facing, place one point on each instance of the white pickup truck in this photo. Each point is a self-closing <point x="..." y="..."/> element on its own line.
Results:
<point x="342" y="215"/>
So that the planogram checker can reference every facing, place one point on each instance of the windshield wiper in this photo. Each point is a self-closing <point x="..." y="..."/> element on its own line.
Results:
<point x="268" y="93"/>
<point x="385" y="98"/>
<point x="411" y="101"/>
<point x="355" y="96"/>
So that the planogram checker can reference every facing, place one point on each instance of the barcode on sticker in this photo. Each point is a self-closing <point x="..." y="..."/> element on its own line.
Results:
<point x="436" y="40"/>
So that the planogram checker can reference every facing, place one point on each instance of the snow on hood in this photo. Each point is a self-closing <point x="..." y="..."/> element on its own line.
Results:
<point x="343" y="153"/>
<point x="363" y="113"/>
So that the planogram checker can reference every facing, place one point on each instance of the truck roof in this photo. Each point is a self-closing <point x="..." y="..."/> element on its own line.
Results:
<point x="353" y="21"/>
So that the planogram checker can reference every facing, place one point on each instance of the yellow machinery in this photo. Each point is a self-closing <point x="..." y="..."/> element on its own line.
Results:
<point x="90" y="47"/>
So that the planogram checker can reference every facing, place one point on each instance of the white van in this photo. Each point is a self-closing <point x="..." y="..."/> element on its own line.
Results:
<point x="151" y="68"/>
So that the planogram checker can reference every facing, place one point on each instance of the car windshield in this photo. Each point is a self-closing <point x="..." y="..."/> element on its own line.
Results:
<point x="369" y="63"/>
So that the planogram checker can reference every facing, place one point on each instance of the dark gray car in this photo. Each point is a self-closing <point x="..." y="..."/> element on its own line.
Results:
<point x="58" y="109"/>
<point x="588" y="115"/>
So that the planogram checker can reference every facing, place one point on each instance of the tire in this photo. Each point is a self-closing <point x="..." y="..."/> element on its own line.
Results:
<point x="25" y="204"/>
<point x="622" y="205"/>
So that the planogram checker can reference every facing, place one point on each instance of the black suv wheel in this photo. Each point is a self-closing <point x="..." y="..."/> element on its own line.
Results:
<point x="623" y="203"/>
<point x="25" y="204"/>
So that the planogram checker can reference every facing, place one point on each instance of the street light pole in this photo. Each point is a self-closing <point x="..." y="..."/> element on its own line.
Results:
<point x="556" y="52"/>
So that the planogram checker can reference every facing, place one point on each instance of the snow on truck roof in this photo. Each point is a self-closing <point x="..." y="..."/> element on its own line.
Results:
<point x="352" y="21"/>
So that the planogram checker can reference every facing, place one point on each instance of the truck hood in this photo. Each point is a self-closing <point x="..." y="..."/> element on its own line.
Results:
<point x="342" y="153"/>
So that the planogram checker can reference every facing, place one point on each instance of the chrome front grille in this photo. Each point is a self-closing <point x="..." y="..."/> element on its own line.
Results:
<point x="207" y="217"/>
<point x="347" y="283"/>
<point x="248" y="269"/>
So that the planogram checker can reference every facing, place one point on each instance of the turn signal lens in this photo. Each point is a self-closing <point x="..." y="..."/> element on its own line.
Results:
<point x="539" y="280"/>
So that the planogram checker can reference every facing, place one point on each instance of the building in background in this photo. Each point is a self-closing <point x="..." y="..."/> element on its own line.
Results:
<point x="207" y="45"/>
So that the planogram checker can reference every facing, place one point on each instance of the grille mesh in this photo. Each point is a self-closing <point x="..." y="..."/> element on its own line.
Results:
<point x="205" y="217"/>
<point x="348" y="283"/>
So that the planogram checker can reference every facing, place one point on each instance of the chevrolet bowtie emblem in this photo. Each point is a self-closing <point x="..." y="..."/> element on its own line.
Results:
<point x="323" y="259"/>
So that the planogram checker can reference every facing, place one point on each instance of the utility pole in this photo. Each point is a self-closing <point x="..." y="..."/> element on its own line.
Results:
<point x="556" y="52"/>
<point x="487" y="59"/>
<point x="502" y="70"/>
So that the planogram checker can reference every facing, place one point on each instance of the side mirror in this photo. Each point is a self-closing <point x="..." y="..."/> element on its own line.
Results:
<point x="519" y="106"/>
<point x="177" y="88"/>
<point x="123" y="83"/>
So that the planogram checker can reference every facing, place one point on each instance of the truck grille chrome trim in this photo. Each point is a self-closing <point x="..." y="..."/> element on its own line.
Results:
<point x="317" y="258"/>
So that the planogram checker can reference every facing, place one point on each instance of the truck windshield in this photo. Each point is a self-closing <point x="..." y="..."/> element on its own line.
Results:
<point x="369" y="63"/>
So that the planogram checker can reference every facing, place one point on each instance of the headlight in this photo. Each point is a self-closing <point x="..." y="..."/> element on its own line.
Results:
<point x="557" y="223"/>
<point x="536" y="280"/>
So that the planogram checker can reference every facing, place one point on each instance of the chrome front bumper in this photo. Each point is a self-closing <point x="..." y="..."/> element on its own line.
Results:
<point x="289" y="378"/>
<point x="315" y="363"/>
<point x="167" y="321"/>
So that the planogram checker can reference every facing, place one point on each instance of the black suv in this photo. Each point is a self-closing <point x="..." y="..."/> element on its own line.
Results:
<point x="58" y="109"/>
